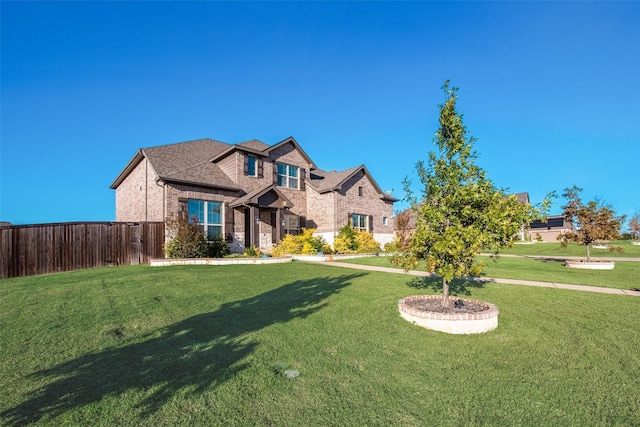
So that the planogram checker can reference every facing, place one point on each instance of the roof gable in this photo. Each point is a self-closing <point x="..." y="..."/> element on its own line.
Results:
<point x="258" y="198"/>
<point x="323" y="181"/>
<point x="296" y="146"/>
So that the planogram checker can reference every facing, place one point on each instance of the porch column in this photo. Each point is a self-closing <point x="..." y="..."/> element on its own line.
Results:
<point x="278" y="225"/>
<point x="253" y="227"/>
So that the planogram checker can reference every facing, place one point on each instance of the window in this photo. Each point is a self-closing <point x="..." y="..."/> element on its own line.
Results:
<point x="291" y="224"/>
<point x="359" y="222"/>
<point x="288" y="175"/>
<point x="385" y="221"/>
<point x="208" y="215"/>
<point x="360" y="191"/>
<point x="251" y="166"/>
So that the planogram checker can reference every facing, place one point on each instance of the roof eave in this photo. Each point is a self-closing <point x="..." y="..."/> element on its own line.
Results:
<point x="389" y="198"/>
<point x="135" y="160"/>
<point x="233" y="149"/>
<point x="199" y="184"/>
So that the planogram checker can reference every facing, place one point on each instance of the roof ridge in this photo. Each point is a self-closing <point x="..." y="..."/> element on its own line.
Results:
<point x="185" y="142"/>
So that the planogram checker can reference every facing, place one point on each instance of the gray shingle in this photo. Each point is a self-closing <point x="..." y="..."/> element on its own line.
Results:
<point x="189" y="162"/>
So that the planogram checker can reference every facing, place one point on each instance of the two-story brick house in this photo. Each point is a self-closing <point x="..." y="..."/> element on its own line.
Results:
<point x="251" y="193"/>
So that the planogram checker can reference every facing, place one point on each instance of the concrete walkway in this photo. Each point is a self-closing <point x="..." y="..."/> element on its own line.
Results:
<point x="490" y="280"/>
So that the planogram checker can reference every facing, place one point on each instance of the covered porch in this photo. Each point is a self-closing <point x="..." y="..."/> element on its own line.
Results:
<point x="267" y="217"/>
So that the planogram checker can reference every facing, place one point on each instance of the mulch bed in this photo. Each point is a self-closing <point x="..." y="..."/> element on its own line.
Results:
<point x="456" y="306"/>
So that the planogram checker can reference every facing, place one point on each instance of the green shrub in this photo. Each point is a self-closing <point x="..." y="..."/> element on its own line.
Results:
<point x="393" y="246"/>
<point x="288" y="245"/>
<point x="305" y="243"/>
<point x="214" y="248"/>
<point x="189" y="241"/>
<point x="349" y="241"/>
<point x="252" y="252"/>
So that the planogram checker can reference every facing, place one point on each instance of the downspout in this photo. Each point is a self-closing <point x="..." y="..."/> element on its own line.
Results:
<point x="146" y="194"/>
<point x="164" y="198"/>
<point x="335" y="217"/>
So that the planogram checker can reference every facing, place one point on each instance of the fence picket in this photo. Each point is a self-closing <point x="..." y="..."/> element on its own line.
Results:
<point x="50" y="248"/>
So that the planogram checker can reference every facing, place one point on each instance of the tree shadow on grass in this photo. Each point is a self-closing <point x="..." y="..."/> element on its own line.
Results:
<point x="456" y="287"/>
<point x="191" y="356"/>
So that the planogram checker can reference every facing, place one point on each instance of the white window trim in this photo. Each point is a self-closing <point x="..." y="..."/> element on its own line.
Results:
<point x="358" y="227"/>
<point x="205" y="224"/>
<point x="286" y="177"/>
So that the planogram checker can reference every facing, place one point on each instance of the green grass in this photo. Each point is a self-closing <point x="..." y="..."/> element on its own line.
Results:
<point x="199" y="345"/>
<point x="573" y="249"/>
<point x="625" y="275"/>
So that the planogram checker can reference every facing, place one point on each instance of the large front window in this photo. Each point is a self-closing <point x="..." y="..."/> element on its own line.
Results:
<point x="288" y="175"/>
<point x="208" y="215"/>
<point x="359" y="222"/>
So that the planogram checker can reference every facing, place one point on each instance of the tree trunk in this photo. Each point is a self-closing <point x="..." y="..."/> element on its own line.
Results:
<point x="445" y="292"/>
<point x="588" y="254"/>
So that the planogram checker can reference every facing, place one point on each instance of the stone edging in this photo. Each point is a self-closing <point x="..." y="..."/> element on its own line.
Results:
<point x="163" y="262"/>
<point x="591" y="265"/>
<point x="452" y="323"/>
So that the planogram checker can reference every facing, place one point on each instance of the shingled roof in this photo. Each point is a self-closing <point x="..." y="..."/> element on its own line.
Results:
<point x="194" y="162"/>
<point x="325" y="181"/>
<point x="184" y="162"/>
<point x="254" y="144"/>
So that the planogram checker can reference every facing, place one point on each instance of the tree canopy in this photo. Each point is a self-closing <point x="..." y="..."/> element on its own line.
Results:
<point x="594" y="221"/>
<point x="461" y="211"/>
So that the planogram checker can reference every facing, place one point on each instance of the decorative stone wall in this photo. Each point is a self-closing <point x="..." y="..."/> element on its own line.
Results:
<point x="451" y="323"/>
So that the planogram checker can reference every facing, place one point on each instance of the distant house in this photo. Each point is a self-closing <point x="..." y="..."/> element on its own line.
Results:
<point x="551" y="229"/>
<point x="250" y="193"/>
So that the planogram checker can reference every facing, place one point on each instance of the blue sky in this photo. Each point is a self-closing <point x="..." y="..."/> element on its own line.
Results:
<point x="550" y="89"/>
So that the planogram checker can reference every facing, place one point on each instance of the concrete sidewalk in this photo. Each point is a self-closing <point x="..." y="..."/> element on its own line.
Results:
<point x="490" y="280"/>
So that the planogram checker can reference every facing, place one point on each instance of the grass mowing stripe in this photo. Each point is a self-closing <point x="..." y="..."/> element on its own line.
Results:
<point x="200" y="343"/>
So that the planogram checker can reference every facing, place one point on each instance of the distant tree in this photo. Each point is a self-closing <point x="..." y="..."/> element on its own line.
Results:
<point x="461" y="212"/>
<point x="403" y="230"/>
<point x="634" y="226"/>
<point x="593" y="222"/>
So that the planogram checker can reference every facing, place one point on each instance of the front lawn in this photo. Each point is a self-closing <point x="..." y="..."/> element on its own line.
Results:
<point x="572" y="249"/>
<point x="197" y="345"/>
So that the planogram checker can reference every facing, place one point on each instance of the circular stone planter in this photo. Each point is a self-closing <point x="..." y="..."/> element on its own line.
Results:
<point x="451" y="323"/>
<point x="591" y="265"/>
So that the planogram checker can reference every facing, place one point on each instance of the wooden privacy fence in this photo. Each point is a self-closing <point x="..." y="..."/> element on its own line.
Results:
<point x="49" y="248"/>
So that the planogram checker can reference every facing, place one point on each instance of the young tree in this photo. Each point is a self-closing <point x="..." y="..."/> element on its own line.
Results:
<point x="593" y="222"/>
<point x="634" y="226"/>
<point x="403" y="230"/>
<point x="461" y="212"/>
